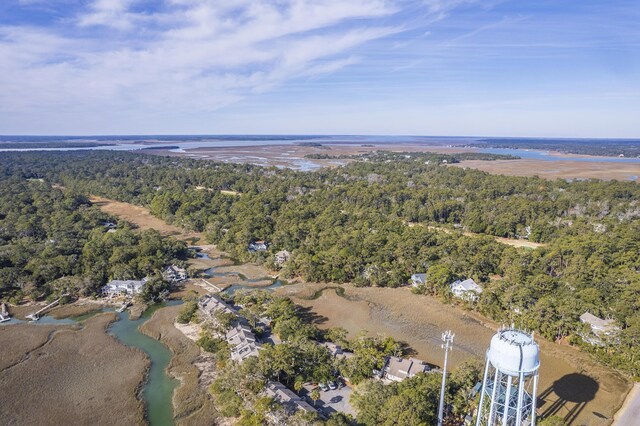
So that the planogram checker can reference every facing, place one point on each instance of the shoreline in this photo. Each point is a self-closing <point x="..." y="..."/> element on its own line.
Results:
<point x="191" y="405"/>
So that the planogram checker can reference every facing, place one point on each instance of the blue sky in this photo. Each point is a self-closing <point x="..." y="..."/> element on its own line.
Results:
<point x="429" y="67"/>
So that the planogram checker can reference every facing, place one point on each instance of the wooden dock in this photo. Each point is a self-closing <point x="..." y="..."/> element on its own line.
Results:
<point x="36" y="315"/>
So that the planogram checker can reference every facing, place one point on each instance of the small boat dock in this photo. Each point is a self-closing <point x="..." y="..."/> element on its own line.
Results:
<point x="36" y="315"/>
<point x="4" y="313"/>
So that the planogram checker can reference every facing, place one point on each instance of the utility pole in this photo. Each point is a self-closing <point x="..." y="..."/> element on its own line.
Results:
<point x="447" y="338"/>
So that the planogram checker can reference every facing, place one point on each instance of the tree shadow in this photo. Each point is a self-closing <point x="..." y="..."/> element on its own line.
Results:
<point x="567" y="397"/>
<point x="309" y="316"/>
<point x="406" y="349"/>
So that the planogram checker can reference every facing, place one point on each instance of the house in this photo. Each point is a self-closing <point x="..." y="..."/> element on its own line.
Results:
<point x="418" y="280"/>
<point x="336" y="351"/>
<point x="601" y="329"/>
<point x="243" y="342"/>
<point x="466" y="290"/>
<point x="210" y="304"/>
<point x="174" y="273"/>
<point x="285" y="396"/>
<point x="259" y="245"/>
<point x="282" y="257"/>
<point x="123" y="287"/>
<point x="398" y="369"/>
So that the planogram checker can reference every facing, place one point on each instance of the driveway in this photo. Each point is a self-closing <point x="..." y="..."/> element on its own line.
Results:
<point x="330" y="401"/>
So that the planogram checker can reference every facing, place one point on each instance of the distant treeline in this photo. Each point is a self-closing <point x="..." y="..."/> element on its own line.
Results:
<point x="52" y="144"/>
<point x="602" y="147"/>
<point x="354" y="224"/>
<point x="426" y="156"/>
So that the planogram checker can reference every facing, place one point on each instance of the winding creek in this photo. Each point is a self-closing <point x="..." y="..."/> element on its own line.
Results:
<point x="158" y="389"/>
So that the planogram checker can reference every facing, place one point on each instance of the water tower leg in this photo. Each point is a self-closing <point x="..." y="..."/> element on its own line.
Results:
<point x="493" y="397"/>
<point x="507" y="397"/>
<point x="482" y="392"/>
<point x="520" y="398"/>
<point x="534" y="394"/>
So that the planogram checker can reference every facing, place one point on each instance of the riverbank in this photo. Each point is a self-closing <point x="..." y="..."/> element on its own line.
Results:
<point x="420" y="320"/>
<point x="192" y="405"/>
<point x="75" y="371"/>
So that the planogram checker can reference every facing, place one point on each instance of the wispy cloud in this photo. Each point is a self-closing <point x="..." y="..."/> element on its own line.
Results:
<point x="185" y="54"/>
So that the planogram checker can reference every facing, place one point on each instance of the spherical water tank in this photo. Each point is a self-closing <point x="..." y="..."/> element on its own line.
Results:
<point x="514" y="351"/>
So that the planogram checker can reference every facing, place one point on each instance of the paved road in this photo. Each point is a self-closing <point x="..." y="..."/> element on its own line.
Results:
<point x="629" y="414"/>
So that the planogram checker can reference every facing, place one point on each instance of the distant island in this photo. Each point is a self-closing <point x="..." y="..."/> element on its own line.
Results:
<point x="602" y="147"/>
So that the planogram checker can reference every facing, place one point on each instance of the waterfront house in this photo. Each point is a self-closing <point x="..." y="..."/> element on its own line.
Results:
<point x="336" y="351"/>
<point x="123" y="287"/>
<point x="174" y="274"/>
<point x="466" y="290"/>
<point x="418" y="280"/>
<point x="211" y="304"/>
<point x="398" y="369"/>
<point x="242" y="342"/>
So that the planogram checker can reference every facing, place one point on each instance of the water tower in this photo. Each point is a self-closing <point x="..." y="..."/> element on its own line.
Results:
<point x="510" y="380"/>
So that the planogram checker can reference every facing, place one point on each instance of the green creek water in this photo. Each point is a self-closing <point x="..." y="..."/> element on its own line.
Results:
<point x="158" y="389"/>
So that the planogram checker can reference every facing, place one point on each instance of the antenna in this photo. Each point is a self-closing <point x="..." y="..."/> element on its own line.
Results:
<point x="447" y="338"/>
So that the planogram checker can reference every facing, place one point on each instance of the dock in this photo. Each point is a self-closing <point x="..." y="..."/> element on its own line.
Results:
<point x="124" y="306"/>
<point x="36" y="315"/>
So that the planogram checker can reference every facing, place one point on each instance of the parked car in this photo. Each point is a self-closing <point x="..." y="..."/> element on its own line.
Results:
<point x="332" y="385"/>
<point x="323" y="386"/>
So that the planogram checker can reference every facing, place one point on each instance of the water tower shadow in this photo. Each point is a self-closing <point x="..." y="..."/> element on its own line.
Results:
<point x="567" y="397"/>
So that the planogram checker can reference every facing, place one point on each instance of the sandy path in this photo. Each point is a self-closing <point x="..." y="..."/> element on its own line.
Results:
<point x="142" y="218"/>
<point x="75" y="372"/>
<point x="568" y="377"/>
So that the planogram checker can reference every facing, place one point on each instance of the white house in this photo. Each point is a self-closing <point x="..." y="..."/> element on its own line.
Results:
<point x="466" y="290"/>
<point x="123" y="287"/>
<point x="601" y="329"/>
<point x="398" y="369"/>
<point x="243" y="342"/>
<point x="259" y="245"/>
<point x="418" y="280"/>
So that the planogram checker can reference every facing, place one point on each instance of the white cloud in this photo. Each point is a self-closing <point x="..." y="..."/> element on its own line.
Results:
<point x="189" y="55"/>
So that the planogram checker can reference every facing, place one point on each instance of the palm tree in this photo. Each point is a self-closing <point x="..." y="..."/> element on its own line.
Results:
<point x="315" y="395"/>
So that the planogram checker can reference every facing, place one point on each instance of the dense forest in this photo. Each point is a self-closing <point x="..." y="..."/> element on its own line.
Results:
<point x="54" y="241"/>
<point x="369" y="223"/>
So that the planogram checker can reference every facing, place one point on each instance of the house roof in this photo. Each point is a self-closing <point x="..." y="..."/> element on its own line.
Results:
<point x="403" y="368"/>
<point x="594" y="321"/>
<point x="467" y="285"/>
<point x="419" y="277"/>
<point x="280" y="392"/>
